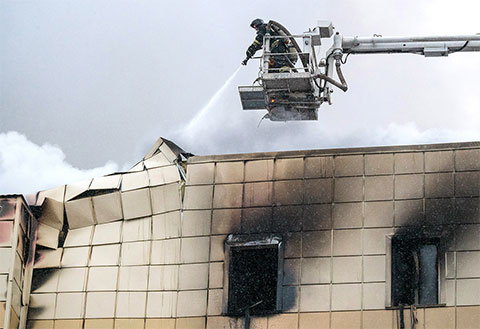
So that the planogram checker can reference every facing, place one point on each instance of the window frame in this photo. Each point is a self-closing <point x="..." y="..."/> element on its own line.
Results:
<point x="252" y="241"/>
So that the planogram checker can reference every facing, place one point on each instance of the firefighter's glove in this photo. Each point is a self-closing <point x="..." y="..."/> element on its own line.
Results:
<point x="244" y="62"/>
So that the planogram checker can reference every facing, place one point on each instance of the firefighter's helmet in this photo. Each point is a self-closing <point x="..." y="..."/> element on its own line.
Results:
<point x="256" y="22"/>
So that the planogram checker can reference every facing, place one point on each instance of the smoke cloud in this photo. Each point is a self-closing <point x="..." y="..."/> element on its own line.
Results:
<point x="26" y="167"/>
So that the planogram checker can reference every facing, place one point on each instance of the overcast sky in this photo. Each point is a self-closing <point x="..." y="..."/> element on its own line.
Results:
<point x="86" y="87"/>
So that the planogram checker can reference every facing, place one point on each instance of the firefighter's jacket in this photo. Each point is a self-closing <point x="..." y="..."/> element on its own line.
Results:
<point x="277" y="45"/>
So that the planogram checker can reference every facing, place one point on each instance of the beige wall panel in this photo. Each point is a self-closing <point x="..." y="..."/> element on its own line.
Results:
<point x="378" y="164"/>
<point x="315" y="270"/>
<point x="7" y="208"/>
<point x="288" y="168"/>
<point x="468" y="292"/>
<point x="192" y="303"/>
<point x="165" y="252"/>
<point x="408" y="212"/>
<point x="439" y="185"/>
<point x="6" y="230"/>
<point x="72" y="279"/>
<point x="314" y="320"/>
<point x="40" y="324"/>
<point x="198" y="197"/>
<point x="129" y="323"/>
<point x="200" y="173"/>
<point x="196" y="222"/>
<point x="287" y="218"/>
<point x="225" y="221"/>
<point x="291" y="299"/>
<point x="378" y="188"/>
<point x="467" y="184"/>
<point x="75" y="257"/>
<point x="377" y="319"/>
<point x="318" y="190"/>
<point x="167" y="225"/>
<point x="408" y="163"/>
<point x="374" y="268"/>
<point x="98" y="323"/>
<point x="102" y="278"/>
<point x="347" y="242"/>
<point x="161" y="304"/>
<point x="374" y="296"/>
<point x="194" y="250"/>
<point x="228" y="196"/>
<point x="348" y="189"/>
<point x="291" y="271"/>
<point x="439" y="161"/>
<point x="343" y="320"/>
<point x="136" y="203"/>
<point x="156" y="161"/>
<point x="42" y="306"/>
<point x="165" y="198"/>
<point x="221" y="322"/>
<point x="346" y="297"/>
<point x="288" y="192"/>
<point x="52" y="207"/>
<point x="45" y="259"/>
<point x="47" y="236"/>
<point x="162" y="176"/>
<point x="283" y="321"/>
<point x="316" y="243"/>
<point x="100" y="305"/>
<point x="293" y="245"/>
<point x="106" y="182"/>
<point x="450" y="292"/>
<point x="134" y="181"/>
<point x="107" y="233"/>
<point x="467" y="237"/>
<point x="190" y="323"/>
<point x="348" y="165"/>
<point x="193" y="276"/>
<point x="409" y="186"/>
<point x="215" y="302"/>
<point x="132" y="278"/>
<point x="79" y="213"/>
<point x="137" y="229"/>
<point x="229" y="172"/>
<point x="79" y="237"/>
<point x="347" y="269"/>
<point x="217" y="248"/>
<point x="348" y="215"/>
<point x="68" y="324"/>
<point x="467" y="160"/>
<point x="5" y="260"/>
<point x="468" y="317"/>
<point x="215" y="275"/>
<point x="107" y="207"/>
<point x="258" y="170"/>
<point x="317" y="217"/>
<point x="163" y="277"/>
<point x="467" y="210"/>
<point x="105" y="255"/>
<point x="374" y="240"/>
<point x="70" y="305"/>
<point x="318" y="167"/>
<point x="314" y="298"/>
<point x="258" y="194"/>
<point x="468" y="264"/>
<point x="160" y="324"/>
<point x="256" y="220"/>
<point x="440" y="318"/>
<point x="131" y="304"/>
<point x="135" y="253"/>
<point x="378" y="214"/>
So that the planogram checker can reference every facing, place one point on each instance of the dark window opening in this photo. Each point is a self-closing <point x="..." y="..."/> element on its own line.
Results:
<point x="253" y="278"/>
<point x="414" y="271"/>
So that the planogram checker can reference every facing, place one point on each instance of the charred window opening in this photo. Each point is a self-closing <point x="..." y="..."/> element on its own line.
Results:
<point x="414" y="271"/>
<point x="253" y="276"/>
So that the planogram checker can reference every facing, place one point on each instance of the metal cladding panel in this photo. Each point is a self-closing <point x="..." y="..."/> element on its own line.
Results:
<point x="7" y="208"/>
<point x="295" y="81"/>
<point x="163" y="277"/>
<point x="75" y="189"/>
<point x="131" y="304"/>
<point x="158" y="160"/>
<point x="107" y="233"/>
<point x="137" y="230"/>
<point x="106" y="182"/>
<point x="79" y="213"/>
<point x="107" y="207"/>
<point x="165" y="226"/>
<point x="165" y="198"/>
<point x="79" y="237"/>
<point x="75" y="257"/>
<point x="72" y="279"/>
<point x="133" y="278"/>
<point x="136" y="203"/>
<point x="105" y="255"/>
<point x="47" y="236"/>
<point x="135" y="253"/>
<point x="134" y="181"/>
<point x="48" y="258"/>
<point x="162" y="304"/>
<point x="252" y="98"/>
<point x="163" y="175"/>
<point x="102" y="278"/>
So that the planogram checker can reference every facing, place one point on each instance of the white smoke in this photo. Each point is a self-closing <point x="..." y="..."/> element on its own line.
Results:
<point x="26" y="167"/>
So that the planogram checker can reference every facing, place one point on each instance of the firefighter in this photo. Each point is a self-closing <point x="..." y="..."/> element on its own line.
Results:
<point x="278" y="63"/>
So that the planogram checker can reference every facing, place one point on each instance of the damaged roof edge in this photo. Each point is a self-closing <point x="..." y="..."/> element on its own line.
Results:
<point x="335" y="151"/>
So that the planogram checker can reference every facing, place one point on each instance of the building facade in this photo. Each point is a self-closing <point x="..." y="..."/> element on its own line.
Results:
<point x="385" y="237"/>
